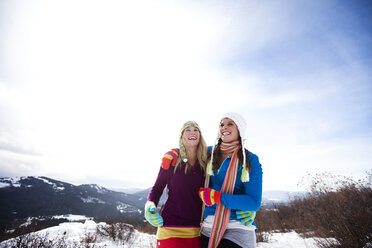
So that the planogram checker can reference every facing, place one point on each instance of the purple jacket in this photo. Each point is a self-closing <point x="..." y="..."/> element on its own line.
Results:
<point x="183" y="206"/>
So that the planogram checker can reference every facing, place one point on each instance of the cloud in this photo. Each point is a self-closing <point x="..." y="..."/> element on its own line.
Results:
<point x="19" y="164"/>
<point x="102" y="94"/>
<point x="9" y="146"/>
<point x="286" y="164"/>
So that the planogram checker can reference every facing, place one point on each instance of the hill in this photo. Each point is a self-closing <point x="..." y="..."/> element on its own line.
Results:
<point x="25" y="197"/>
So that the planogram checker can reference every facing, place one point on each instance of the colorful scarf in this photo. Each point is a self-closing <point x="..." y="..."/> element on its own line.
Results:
<point x="222" y="214"/>
<point x="227" y="148"/>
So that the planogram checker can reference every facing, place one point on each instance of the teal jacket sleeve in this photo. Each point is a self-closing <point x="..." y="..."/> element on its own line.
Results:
<point x="251" y="199"/>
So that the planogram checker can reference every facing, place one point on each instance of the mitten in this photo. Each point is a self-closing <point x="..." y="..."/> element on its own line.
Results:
<point x="151" y="216"/>
<point x="245" y="217"/>
<point x="210" y="196"/>
<point x="169" y="158"/>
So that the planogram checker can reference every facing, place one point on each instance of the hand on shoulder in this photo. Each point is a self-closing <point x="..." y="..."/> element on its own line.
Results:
<point x="169" y="158"/>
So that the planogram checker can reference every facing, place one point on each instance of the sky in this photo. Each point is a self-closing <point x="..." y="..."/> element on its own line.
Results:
<point x="97" y="91"/>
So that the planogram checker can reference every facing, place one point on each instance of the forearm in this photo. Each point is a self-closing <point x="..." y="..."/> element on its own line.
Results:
<point x="241" y="202"/>
<point x="158" y="188"/>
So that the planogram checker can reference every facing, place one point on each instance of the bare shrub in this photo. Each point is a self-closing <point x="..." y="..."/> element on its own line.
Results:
<point x="146" y="228"/>
<point x="268" y="220"/>
<point x="36" y="240"/>
<point x="89" y="238"/>
<point x="337" y="208"/>
<point x="116" y="231"/>
<point x="18" y="228"/>
<point x="344" y="211"/>
<point x="262" y="237"/>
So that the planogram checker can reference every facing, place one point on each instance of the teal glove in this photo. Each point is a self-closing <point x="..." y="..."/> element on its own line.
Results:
<point x="245" y="217"/>
<point x="151" y="216"/>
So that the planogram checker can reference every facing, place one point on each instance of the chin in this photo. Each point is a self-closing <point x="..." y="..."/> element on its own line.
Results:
<point x="228" y="140"/>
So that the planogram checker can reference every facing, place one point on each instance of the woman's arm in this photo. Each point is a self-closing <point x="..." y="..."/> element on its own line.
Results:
<point x="251" y="200"/>
<point x="158" y="188"/>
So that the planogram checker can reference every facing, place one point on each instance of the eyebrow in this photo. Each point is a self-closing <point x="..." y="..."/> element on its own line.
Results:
<point x="193" y="128"/>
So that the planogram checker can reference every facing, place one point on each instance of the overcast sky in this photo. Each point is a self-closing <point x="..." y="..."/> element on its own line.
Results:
<point x="96" y="91"/>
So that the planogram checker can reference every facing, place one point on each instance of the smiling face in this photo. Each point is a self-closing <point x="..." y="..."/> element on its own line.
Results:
<point x="228" y="130"/>
<point x="191" y="136"/>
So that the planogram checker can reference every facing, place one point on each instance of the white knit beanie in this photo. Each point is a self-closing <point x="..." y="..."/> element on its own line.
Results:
<point x="242" y="127"/>
<point x="239" y="121"/>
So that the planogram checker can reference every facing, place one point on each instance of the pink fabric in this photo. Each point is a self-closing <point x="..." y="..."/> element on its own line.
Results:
<point x="179" y="243"/>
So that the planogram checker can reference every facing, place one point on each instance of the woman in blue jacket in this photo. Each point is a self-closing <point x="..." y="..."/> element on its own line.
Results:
<point x="233" y="189"/>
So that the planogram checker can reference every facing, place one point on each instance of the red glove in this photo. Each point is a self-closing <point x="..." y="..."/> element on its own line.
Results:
<point x="210" y="196"/>
<point x="170" y="158"/>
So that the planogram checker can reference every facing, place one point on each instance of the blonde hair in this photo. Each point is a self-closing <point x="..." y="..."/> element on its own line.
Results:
<point x="201" y="154"/>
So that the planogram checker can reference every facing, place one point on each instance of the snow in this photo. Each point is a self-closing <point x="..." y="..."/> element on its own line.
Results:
<point x="45" y="181"/>
<point x="288" y="240"/>
<point x="92" y="200"/>
<point x="53" y="184"/>
<point x="4" y="185"/>
<point x="72" y="217"/>
<point x="15" y="182"/>
<point x="122" y="207"/>
<point x="27" y="223"/>
<point x="74" y="233"/>
<point x="98" y="188"/>
<point x="10" y="181"/>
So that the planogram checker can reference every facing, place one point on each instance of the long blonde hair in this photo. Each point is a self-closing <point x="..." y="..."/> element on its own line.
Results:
<point x="201" y="152"/>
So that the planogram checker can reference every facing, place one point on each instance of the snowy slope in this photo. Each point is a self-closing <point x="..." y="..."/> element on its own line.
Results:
<point x="74" y="232"/>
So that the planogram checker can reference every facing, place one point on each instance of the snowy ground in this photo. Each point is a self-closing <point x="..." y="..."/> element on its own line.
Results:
<point x="74" y="232"/>
<point x="288" y="240"/>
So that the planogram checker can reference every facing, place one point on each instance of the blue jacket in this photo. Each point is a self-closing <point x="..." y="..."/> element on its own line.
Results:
<point x="247" y="196"/>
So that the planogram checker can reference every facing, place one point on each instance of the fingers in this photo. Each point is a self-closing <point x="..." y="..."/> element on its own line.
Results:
<point x="155" y="220"/>
<point x="202" y="189"/>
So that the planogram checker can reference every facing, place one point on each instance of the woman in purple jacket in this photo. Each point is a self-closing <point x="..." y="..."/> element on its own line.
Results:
<point x="182" y="172"/>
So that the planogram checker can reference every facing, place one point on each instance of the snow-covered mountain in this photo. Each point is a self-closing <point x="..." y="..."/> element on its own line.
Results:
<point x="24" y="197"/>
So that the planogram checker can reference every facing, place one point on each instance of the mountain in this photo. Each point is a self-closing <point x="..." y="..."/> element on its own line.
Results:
<point x="273" y="198"/>
<point x="24" y="197"/>
<point x="145" y="192"/>
<point x="126" y="190"/>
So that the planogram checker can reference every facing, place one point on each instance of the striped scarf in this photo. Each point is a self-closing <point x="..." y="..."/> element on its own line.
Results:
<point x="229" y="147"/>
<point x="222" y="214"/>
